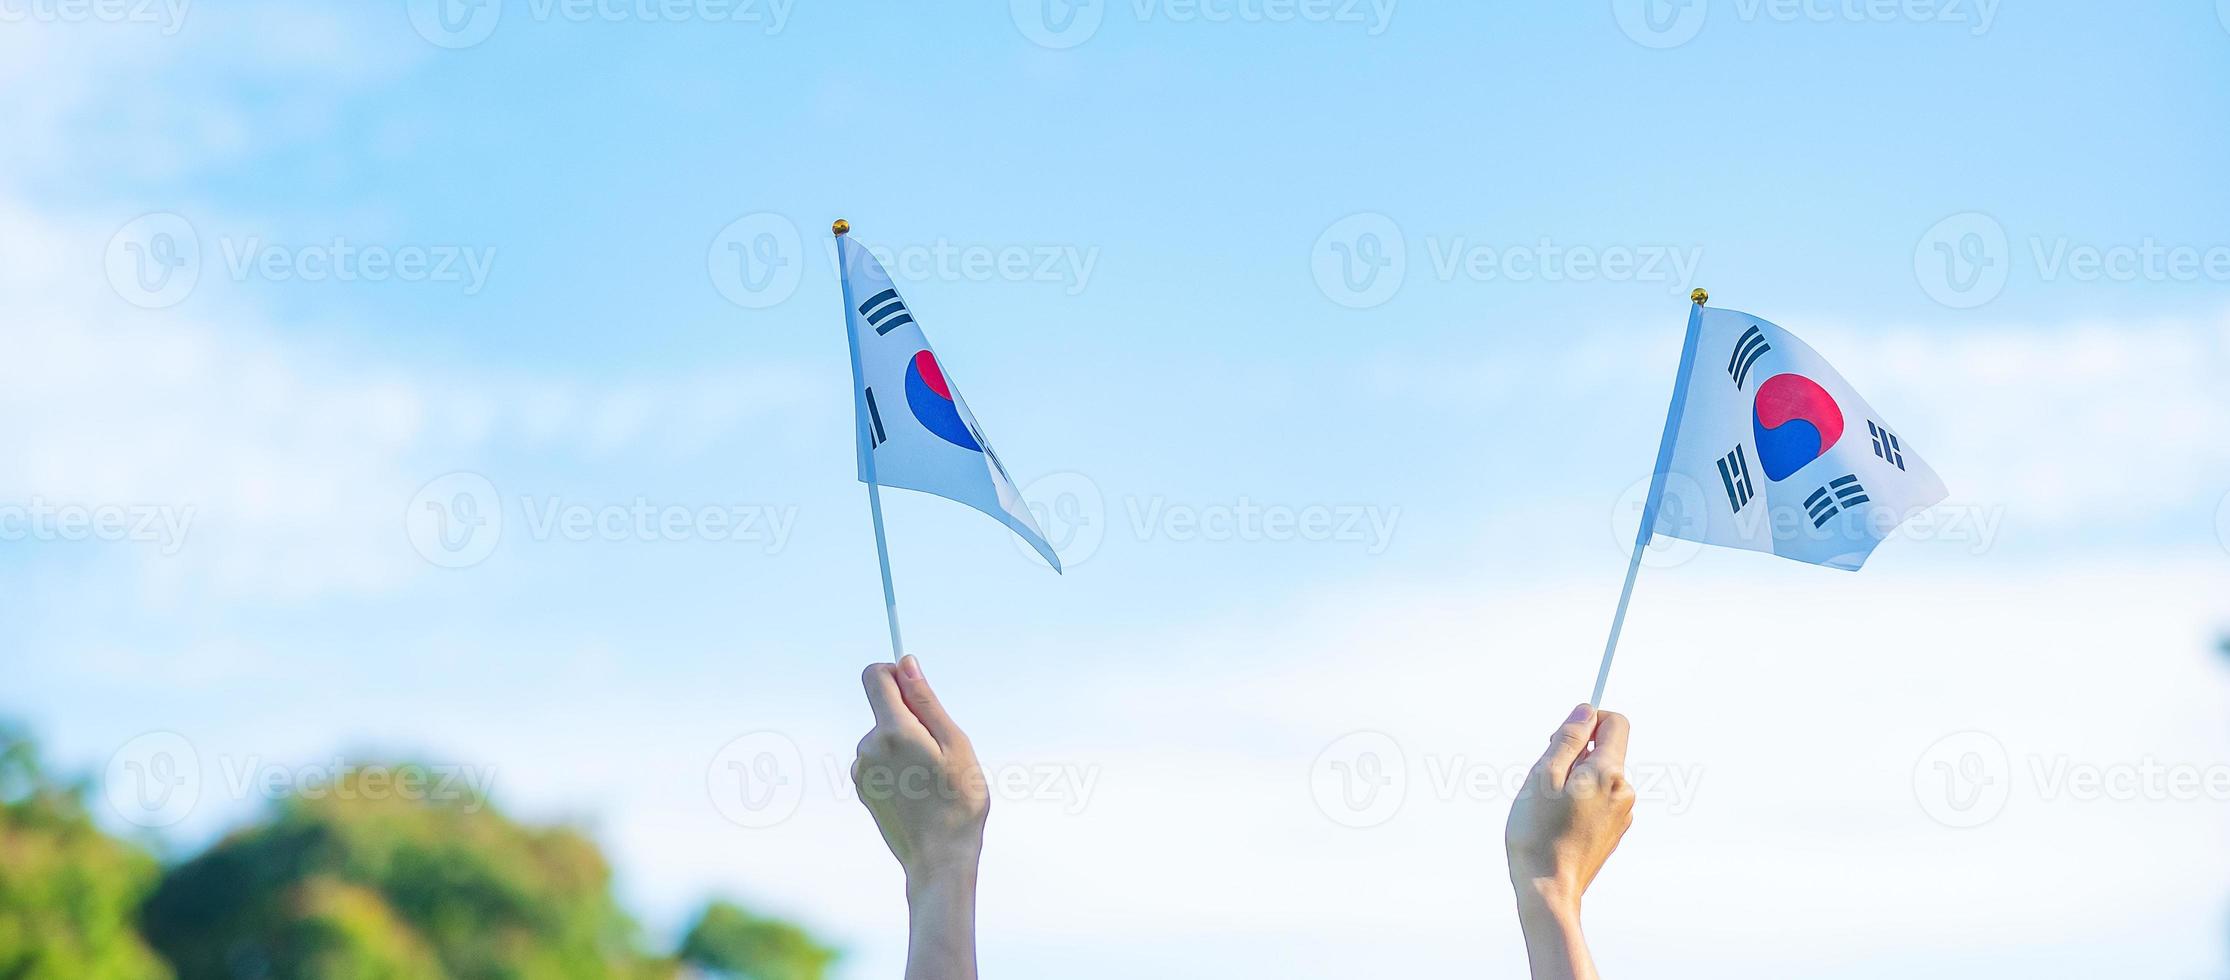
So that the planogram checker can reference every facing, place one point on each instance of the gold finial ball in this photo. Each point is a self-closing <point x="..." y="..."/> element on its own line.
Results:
<point x="1698" y="297"/>
<point x="841" y="226"/>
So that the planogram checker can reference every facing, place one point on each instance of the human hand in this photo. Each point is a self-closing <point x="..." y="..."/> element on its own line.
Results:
<point x="918" y="776"/>
<point x="1574" y="809"/>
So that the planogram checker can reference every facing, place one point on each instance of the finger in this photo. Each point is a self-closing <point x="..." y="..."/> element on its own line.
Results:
<point x="884" y="696"/>
<point x="1569" y="741"/>
<point x="1609" y="753"/>
<point x="922" y="701"/>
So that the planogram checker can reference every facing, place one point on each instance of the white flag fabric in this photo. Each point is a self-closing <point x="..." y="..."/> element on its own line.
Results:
<point x="915" y="431"/>
<point x="1769" y="449"/>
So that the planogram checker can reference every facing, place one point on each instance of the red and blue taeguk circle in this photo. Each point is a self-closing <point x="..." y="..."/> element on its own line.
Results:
<point x="1795" y="421"/>
<point x="930" y="398"/>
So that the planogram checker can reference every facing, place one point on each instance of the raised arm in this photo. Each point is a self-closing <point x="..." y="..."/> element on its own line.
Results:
<point x="918" y="776"/>
<point x="1575" y="807"/>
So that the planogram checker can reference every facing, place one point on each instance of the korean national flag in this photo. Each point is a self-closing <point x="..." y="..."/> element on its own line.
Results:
<point x="1769" y="449"/>
<point x="915" y="431"/>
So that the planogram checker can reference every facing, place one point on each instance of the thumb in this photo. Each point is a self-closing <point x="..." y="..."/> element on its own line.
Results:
<point x="1565" y="746"/>
<point x="924" y="703"/>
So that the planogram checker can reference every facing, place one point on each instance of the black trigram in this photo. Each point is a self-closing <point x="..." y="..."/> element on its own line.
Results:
<point x="885" y="311"/>
<point x="1885" y="444"/>
<point x="1840" y="494"/>
<point x="874" y="422"/>
<point x="1746" y="353"/>
<point x="1734" y="471"/>
<point x="993" y="455"/>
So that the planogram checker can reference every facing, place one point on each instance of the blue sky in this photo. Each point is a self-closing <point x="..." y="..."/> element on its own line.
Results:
<point x="1165" y="350"/>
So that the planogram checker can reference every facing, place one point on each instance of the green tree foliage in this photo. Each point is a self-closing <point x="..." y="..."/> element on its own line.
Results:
<point x="382" y="874"/>
<point x="730" y="942"/>
<point x="370" y="881"/>
<point x="67" y="891"/>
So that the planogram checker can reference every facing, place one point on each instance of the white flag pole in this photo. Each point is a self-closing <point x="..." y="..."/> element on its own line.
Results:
<point x="1656" y="488"/>
<point x="882" y="555"/>
<point x="867" y="454"/>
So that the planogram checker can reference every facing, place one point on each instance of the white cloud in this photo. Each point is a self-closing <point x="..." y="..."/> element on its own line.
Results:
<point x="1798" y="702"/>
<point x="134" y="102"/>
<point x="293" y="464"/>
<point x="291" y="456"/>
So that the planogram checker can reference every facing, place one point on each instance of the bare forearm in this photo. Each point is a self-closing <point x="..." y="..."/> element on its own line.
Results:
<point x="942" y="940"/>
<point x="1553" y="943"/>
<point x="1574" y="810"/>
